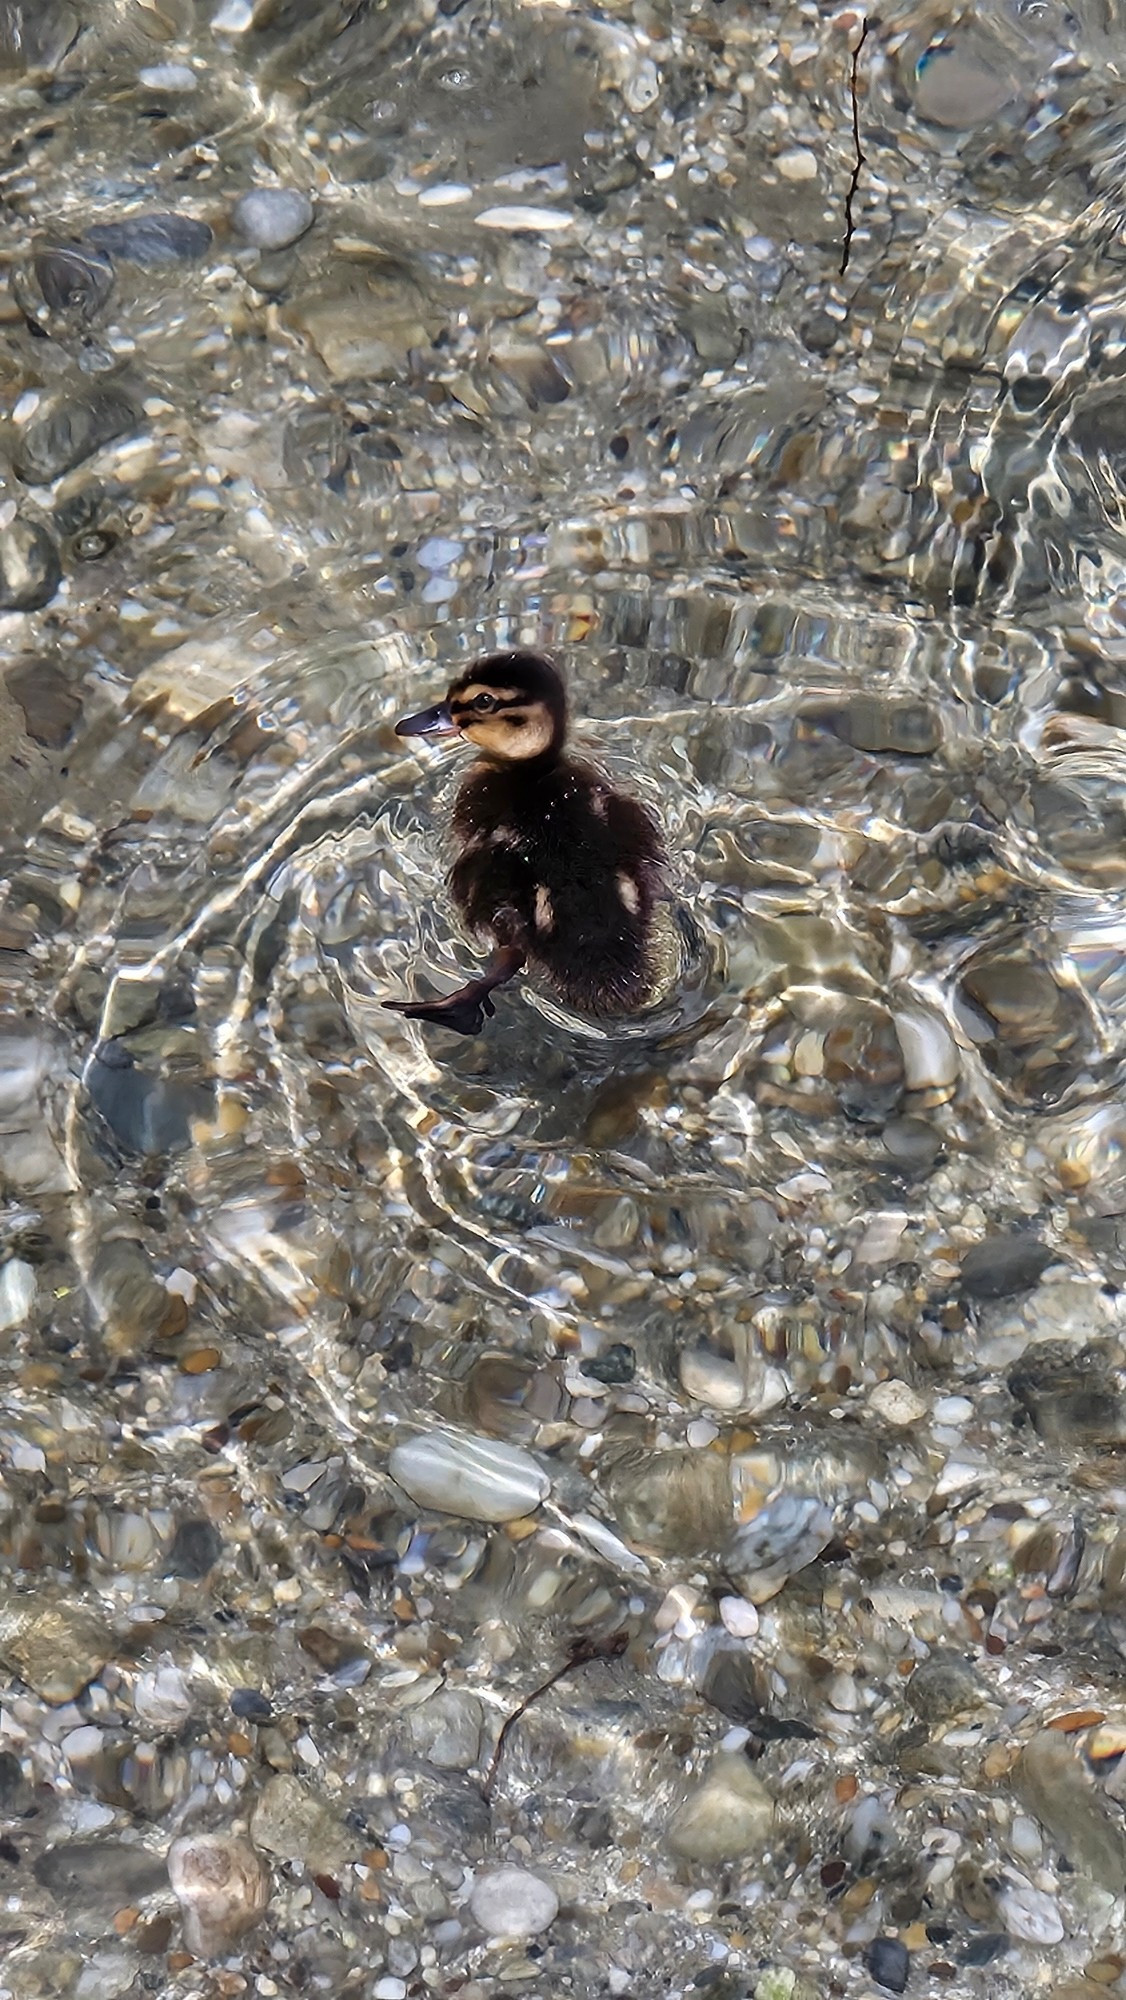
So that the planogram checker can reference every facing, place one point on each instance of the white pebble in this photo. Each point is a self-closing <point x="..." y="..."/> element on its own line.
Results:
<point x="512" y="1903"/>
<point x="444" y="194"/>
<point x="953" y="1410"/>
<point x="1030" y="1913"/>
<point x="17" y="1293"/>
<point x="168" y="76"/>
<point x="897" y="1403"/>
<point x="478" y="1478"/>
<point x="739" y="1618"/>
<point x="543" y="220"/>
<point x="389" y="1989"/>
<point x="799" y="164"/>
<point x="161" y="1697"/>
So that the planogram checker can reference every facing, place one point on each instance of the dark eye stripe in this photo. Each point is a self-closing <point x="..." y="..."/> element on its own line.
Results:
<point x="467" y="707"/>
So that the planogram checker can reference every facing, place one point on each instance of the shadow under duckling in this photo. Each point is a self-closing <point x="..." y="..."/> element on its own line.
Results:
<point x="558" y="867"/>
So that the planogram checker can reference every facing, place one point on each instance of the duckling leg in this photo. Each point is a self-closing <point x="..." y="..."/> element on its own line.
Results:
<point x="464" y="1011"/>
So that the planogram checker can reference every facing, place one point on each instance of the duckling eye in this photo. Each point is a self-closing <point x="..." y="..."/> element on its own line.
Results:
<point x="484" y="702"/>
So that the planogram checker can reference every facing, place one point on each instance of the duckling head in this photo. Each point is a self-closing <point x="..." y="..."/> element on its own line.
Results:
<point x="510" y="706"/>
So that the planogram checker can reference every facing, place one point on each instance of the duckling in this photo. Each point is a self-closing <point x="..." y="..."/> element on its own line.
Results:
<point x="558" y="867"/>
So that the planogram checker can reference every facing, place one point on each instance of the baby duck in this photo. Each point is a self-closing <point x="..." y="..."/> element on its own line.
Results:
<point x="559" y="868"/>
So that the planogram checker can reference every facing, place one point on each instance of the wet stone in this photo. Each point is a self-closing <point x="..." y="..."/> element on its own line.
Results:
<point x="272" y="218"/>
<point x="513" y="1903"/>
<point x="50" y="709"/>
<point x="145" y="1113"/>
<point x="615" y="1366"/>
<point x="69" y="431"/>
<point x="1002" y="1266"/>
<point x="478" y="1478"/>
<point x="446" y="1730"/>
<point x="16" y="1796"/>
<point x="1072" y="1395"/>
<point x="1053" y="1785"/>
<point x="152" y="240"/>
<point x="58" y="1651"/>
<point x="30" y="572"/>
<point x="784" y="1537"/>
<point x="289" y="1822"/>
<point x="889" y="1963"/>
<point x="103" y="1872"/>
<point x="73" y="278"/>
<point x="913" y="1145"/>
<point x="222" y="1887"/>
<point x="727" y="1817"/>
<point x="250" y="1705"/>
<point x="195" y="1549"/>
<point x="864" y="1063"/>
<point x="943" y="1686"/>
<point x="675" y="1502"/>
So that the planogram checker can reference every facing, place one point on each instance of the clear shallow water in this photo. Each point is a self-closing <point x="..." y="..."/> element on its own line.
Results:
<point x="834" y="569"/>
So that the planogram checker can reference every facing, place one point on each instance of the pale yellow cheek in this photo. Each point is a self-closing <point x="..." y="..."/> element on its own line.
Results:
<point x="545" y="915"/>
<point x="627" y="890"/>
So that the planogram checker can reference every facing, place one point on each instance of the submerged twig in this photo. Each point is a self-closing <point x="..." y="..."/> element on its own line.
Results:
<point x="580" y="1655"/>
<point x="859" y="158"/>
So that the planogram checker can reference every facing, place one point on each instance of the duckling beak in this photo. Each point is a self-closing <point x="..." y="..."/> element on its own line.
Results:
<point x="430" y="722"/>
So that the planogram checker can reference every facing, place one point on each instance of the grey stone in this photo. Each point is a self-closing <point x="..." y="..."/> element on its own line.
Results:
<point x="728" y="1816"/>
<point x="73" y="277"/>
<point x="1002" y="1266"/>
<point x="69" y="431"/>
<point x="446" y="1730"/>
<point x="50" y="709"/>
<point x="1072" y="1396"/>
<point x="889" y="1963"/>
<point x="1055" y="1788"/>
<point x="293" y="1825"/>
<point x="58" y="1650"/>
<point x="112" y="1872"/>
<point x="30" y="572"/>
<point x="222" y="1887"/>
<point x="152" y="240"/>
<point x="196" y="1548"/>
<point x="272" y="218"/>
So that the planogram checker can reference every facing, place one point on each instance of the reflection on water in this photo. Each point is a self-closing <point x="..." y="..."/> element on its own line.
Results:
<point x="749" y="1371"/>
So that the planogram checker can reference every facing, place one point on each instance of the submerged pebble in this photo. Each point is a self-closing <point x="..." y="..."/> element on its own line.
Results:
<point x="272" y="218"/>
<point x="153" y="239"/>
<point x="513" y="1903"/>
<point x="476" y="1477"/>
<point x="222" y="1887"/>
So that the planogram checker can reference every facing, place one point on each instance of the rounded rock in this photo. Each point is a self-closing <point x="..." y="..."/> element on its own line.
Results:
<point x="272" y="218"/>
<point x="222" y="1887"/>
<point x="512" y="1903"/>
<point x="478" y="1478"/>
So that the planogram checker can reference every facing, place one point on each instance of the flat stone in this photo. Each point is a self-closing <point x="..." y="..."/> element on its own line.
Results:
<point x="479" y="1478"/>
<point x="50" y="709"/>
<point x="1054" y="1786"/>
<point x="1002" y="1266"/>
<point x="513" y="1903"/>
<point x="889" y="1963"/>
<point x="898" y="1404"/>
<point x="729" y="1815"/>
<point x="58" y="1651"/>
<point x="102" y="1872"/>
<point x="153" y="239"/>
<point x="272" y="218"/>
<point x="69" y="431"/>
<point x="290" y="1823"/>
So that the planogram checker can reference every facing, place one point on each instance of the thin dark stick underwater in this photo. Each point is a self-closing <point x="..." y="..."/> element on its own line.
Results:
<point x="580" y="1655"/>
<point x="860" y="159"/>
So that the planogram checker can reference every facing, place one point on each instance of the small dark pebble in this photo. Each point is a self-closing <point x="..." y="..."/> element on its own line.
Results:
<point x="889" y="1963"/>
<point x="196" y="1548"/>
<point x="939" y="1933"/>
<point x="913" y="1144"/>
<point x="30" y="571"/>
<point x="820" y="333"/>
<point x="594" y="1825"/>
<point x="70" y="430"/>
<point x="616" y="1365"/>
<point x="251" y="1706"/>
<point x="983" y="1950"/>
<point x="152" y="239"/>
<point x="50" y="709"/>
<point x="1002" y="1266"/>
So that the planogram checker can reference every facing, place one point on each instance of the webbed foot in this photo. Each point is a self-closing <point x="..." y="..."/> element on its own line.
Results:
<point x="463" y="1013"/>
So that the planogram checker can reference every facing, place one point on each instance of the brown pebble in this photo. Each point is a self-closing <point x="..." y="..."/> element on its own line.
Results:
<point x="179" y="1961"/>
<point x="200" y="1361"/>
<point x="1077" y="1718"/>
<point x="154" y="1935"/>
<point x="239" y="1745"/>
<point x="994" y="1643"/>
<point x="124" y="1920"/>
<point x="846" y="1788"/>
<point x="1104" y="1971"/>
